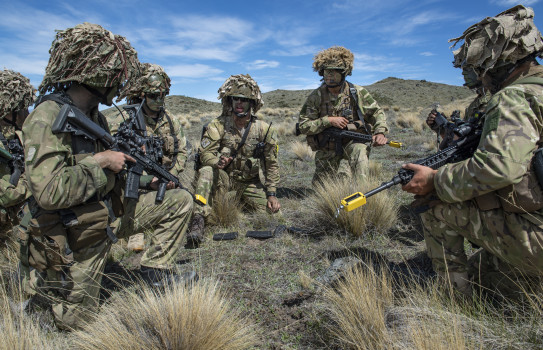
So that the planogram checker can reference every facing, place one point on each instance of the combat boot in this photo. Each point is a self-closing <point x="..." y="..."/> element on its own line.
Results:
<point x="195" y="234"/>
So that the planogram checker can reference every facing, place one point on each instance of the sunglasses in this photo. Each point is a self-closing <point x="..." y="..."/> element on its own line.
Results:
<point x="240" y="99"/>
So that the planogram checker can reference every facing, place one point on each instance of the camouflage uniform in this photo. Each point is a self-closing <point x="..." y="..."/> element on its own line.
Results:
<point x="321" y="104"/>
<point x="492" y="198"/>
<point x="16" y="95"/>
<point x="147" y="216"/>
<point x="74" y="198"/>
<point x="222" y="137"/>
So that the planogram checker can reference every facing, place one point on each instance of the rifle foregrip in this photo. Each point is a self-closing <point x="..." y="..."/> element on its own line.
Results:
<point x="160" y="193"/>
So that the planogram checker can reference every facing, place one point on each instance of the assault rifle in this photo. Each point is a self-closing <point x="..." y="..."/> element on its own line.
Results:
<point x="338" y="135"/>
<point x="14" y="156"/>
<point x="128" y="140"/>
<point x="469" y="135"/>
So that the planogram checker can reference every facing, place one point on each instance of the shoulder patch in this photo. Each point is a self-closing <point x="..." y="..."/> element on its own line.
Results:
<point x="492" y="117"/>
<point x="32" y="150"/>
<point x="205" y="142"/>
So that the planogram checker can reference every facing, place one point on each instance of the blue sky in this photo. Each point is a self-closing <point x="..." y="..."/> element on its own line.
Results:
<point x="200" y="43"/>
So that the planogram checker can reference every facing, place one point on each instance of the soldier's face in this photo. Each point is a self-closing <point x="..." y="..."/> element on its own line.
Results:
<point x="241" y="105"/>
<point x="155" y="101"/>
<point x="332" y="77"/>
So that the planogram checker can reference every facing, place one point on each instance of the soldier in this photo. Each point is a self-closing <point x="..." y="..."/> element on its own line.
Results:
<point x="75" y="182"/>
<point x="493" y="198"/>
<point x="340" y="104"/>
<point x="16" y="95"/>
<point x="234" y="147"/>
<point x="154" y="85"/>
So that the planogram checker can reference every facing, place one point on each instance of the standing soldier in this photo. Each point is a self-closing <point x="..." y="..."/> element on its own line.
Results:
<point x="234" y="147"/>
<point x="340" y="104"/>
<point x="76" y="184"/>
<point x="494" y="199"/>
<point x="16" y="95"/>
<point x="153" y="85"/>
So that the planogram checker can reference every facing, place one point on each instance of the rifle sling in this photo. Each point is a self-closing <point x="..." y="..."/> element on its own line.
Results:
<point x="354" y="95"/>
<point x="243" y="137"/>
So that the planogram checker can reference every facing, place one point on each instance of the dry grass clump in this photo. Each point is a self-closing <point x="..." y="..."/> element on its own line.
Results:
<point x="302" y="151"/>
<point x="18" y="330"/>
<point x="226" y="209"/>
<point x="367" y="314"/>
<point x="285" y="128"/>
<point x="357" y="308"/>
<point x="276" y="112"/>
<point x="177" y="317"/>
<point x="409" y="120"/>
<point x="380" y="213"/>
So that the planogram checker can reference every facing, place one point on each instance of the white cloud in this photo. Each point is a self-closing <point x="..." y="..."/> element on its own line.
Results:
<point x="511" y="3"/>
<point x="427" y="53"/>
<point x="261" y="64"/>
<point x="192" y="71"/>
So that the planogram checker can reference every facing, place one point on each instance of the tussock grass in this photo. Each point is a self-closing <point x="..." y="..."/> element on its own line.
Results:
<point x="178" y="317"/>
<point x="302" y="151"/>
<point x="409" y="120"/>
<point x="285" y="128"/>
<point x="226" y="209"/>
<point x="380" y="214"/>
<point x="357" y="309"/>
<point x="370" y="311"/>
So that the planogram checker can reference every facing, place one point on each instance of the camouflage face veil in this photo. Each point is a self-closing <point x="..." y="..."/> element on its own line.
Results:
<point x="151" y="80"/>
<point x="16" y="92"/>
<point x="241" y="85"/>
<point x="90" y="55"/>
<point x="499" y="41"/>
<point x="336" y="57"/>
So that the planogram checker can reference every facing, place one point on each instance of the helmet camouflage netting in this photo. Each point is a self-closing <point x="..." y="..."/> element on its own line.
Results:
<point x="16" y="92"/>
<point x="91" y="55"/>
<point x="241" y="85"/>
<point x="336" y="57"/>
<point x="496" y="41"/>
<point x="153" y="79"/>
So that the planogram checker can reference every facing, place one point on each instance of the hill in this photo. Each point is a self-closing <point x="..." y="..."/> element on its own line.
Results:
<point x="388" y="92"/>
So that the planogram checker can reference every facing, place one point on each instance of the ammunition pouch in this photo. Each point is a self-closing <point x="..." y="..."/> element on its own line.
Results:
<point x="525" y="196"/>
<point x="55" y="234"/>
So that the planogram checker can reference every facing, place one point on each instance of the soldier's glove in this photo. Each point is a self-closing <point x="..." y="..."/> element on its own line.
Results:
<point x="423" y="203"/>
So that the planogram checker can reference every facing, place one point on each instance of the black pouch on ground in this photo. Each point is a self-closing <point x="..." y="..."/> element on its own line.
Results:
<point x="259" y="234"/>
<point x="228" y="236"/>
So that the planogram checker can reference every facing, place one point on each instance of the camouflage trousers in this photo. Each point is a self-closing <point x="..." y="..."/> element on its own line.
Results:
<point x="75" y="291"/>
<point x="512" y="244"/>
<point x="212" y="181"/>
<point x="353" y="162"/>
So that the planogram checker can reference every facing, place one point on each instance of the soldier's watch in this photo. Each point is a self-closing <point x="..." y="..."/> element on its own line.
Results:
<point x="270" y="194"/>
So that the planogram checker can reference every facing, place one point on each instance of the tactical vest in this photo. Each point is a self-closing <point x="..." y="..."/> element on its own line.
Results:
<point x="348" y="108"/>
<point x="171" y="142"/>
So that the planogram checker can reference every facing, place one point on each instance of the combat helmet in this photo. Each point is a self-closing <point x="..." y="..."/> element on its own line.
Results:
<point x="497" y="44"/>
<point x="240" y="85"/>
<point x="16" y="92"/>
<point x="151" y="80"/>
<point x="336" y="57"/>
<point x="90" y="55"/>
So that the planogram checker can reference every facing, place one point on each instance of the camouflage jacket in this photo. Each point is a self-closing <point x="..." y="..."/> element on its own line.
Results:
<point x="512" y="131"/>
<point x="313" y="121"/>
<point x="222" y="137"/>
<point x="161" y="127"/>
<point x="56" y="176"/>
<point x="11" y="195"/>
